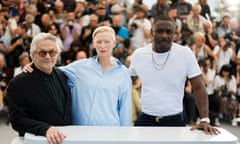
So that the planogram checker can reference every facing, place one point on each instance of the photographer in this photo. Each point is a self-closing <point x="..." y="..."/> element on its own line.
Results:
<point x="209" y="74"/>
<point x="225" y="52"/>
<point x="122" y="36"/>
<point x="139" y="28"/>
<point x="3" y="41"/>
<point x="70" y="30"/>
<point x="86" y="35"/>
<point x="225" y="87"/>
<point x="19" y="44"/>
<point x="224" y="28"/>
<point x="5" y="76"/>
<point x="235" y="34"/>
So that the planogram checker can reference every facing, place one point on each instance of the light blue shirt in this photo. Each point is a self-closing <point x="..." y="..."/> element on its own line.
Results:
<point x="101" y="99"/>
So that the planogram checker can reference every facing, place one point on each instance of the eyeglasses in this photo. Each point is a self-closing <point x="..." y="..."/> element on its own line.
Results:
<point x="52" y="53"/>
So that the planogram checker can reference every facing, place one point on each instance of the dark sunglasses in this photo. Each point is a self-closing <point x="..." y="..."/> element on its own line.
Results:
<point x="52" y="53"/>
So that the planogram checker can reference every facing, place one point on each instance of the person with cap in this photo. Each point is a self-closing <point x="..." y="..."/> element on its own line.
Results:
<point x="116" y="9"/>
<point x="124" y="7"/>
<point x="101" y="10"/>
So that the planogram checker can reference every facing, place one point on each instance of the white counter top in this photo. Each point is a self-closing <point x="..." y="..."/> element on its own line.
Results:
<point x="136" y="135"/>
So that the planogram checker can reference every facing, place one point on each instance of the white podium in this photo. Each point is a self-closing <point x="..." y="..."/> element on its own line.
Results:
<point x="136" y="135"/>
<point x="17" y="140"/>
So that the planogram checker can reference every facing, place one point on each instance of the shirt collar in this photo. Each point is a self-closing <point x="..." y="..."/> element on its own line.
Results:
<point x="118" y="63"/>
<point x="41" y="73"/>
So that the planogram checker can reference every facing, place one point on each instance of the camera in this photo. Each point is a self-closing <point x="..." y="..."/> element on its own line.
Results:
<point x="70" y="24"/>
<point x="224" y="91"/>
<point x="6" y="17"/>
<point x="228" y="44"/>
<point x="229" y="35"/>
<point x="3" y="83"/>
<point x="133" y="27"/>
<point x="116" y="28"/>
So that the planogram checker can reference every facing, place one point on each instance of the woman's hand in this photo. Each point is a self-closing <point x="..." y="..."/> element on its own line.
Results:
<point x="27" y="68"/>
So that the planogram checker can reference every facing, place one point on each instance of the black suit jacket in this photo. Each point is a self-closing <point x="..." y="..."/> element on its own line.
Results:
<point x="32" y="107"/>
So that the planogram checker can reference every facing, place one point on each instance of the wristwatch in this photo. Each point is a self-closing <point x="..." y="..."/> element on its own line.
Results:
<point x="205" y="120"/>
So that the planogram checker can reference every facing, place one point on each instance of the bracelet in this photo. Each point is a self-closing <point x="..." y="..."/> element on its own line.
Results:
<point x="205" y="120"/>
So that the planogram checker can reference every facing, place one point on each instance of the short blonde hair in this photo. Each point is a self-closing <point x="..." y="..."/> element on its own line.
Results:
<point x="104" y="29"/>
<point x="199" y="36"/>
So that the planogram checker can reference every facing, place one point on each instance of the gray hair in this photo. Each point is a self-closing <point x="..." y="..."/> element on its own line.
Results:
<point x="93" y="16"/>
<point x="31" y="8"/>
<point x="44" y="36"/>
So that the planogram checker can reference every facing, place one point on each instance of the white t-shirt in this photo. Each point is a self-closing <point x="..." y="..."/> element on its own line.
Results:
<point x="224" y="56"/>
<point x="220" y="81"/>
<point x="13" y="25"/>
<point x="238" y="54"/>
<point x="34" y="30"/>
<point x="163" y="90"/>
<point x="211" y="76"/>
<point x="139" y="39"/>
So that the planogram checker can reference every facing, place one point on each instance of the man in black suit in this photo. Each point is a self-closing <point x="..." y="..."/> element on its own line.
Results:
<point x="41" y="100"/>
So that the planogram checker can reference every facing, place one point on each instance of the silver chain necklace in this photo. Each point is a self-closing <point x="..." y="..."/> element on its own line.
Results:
<point x="157" y="66"/>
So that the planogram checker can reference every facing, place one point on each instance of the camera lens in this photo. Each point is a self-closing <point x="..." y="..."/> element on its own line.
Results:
<point x="70" y="24"/>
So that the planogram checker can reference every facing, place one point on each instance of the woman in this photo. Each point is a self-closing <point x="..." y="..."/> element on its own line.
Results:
<point x="201" y="50"/>
<point x="101" y="85"/>
<point x="225" y="86"/>
<point x="209" y="74"/>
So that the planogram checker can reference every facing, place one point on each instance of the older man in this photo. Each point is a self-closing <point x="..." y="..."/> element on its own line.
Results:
<point x="41" y="100"/>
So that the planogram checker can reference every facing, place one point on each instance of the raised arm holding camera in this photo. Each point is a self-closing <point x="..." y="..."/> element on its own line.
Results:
<point x="70" y="30"/>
